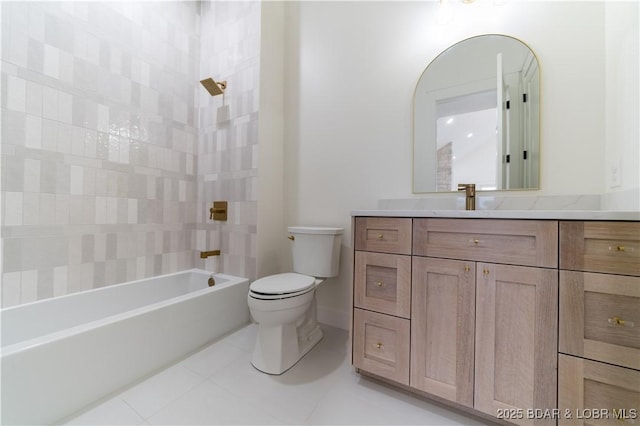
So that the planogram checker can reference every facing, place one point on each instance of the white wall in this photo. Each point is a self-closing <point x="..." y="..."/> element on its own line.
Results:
<point x="351" y="69"/>
<point x="622" y="172"/>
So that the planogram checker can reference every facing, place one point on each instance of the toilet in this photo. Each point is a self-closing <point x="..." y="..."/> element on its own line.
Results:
<point x="284" y="305"/>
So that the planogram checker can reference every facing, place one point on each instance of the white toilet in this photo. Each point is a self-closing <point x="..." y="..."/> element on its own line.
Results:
<point x="284" y="305"/>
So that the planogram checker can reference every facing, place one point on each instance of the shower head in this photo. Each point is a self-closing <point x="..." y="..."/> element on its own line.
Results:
<point x="214" y="88"/>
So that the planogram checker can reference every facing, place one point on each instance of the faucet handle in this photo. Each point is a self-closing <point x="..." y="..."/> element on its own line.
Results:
<point x="469" y="187"/>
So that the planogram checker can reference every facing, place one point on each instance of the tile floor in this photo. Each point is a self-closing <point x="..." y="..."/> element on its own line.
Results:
<point x="218" y="386"/>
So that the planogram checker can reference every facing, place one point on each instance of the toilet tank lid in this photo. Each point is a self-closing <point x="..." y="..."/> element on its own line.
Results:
<point x="315" y="230"/>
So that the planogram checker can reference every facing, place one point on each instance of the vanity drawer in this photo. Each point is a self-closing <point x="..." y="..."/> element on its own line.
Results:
<point x="610" y="247"/>
<point x="383" y="283"/>
<point x="516" y="242"/>
<point x="381" y="345"/>
<point x="600" y="317"/>
<point x="383" y="234"/>
<point x="595" y="393"/>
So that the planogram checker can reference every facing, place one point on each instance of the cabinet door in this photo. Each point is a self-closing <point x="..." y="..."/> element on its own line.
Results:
<point x="595" y="393"/>
<point x="442" y="328"/>
<point x="516" y="339"/>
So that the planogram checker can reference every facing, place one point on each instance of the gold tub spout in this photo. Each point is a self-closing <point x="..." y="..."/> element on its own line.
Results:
<point x="205" y="254"/>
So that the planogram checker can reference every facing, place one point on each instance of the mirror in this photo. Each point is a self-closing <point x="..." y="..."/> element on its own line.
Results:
<point x="477" y="117"/>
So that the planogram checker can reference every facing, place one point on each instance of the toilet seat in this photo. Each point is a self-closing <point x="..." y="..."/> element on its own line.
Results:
<point x="281" y="286"/>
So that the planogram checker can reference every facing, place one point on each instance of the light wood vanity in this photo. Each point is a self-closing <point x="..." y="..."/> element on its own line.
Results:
<point x="525" y="321"/>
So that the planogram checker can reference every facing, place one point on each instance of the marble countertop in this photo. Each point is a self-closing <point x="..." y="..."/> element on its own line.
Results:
<point x="506" y="214"/>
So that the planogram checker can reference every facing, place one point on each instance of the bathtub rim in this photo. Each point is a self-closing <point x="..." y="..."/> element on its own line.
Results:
<point x="15" y="348"/>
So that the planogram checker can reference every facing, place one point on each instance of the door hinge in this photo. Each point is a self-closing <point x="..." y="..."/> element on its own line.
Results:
<point x="507" y="158"/>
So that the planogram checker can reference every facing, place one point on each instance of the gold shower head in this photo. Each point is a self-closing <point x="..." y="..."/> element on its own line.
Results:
<point x="214" y="88"/>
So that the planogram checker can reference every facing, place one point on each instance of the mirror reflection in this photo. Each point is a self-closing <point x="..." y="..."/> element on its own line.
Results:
<point x="476" y="117"/>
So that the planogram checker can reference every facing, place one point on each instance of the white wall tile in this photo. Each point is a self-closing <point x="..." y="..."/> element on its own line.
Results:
<point x="60" y="280"/>
<point x="31" y="175"/>
<point x="29" y="286"/>
<point x="13" y="208"/>
<point x="62" y="209"/>
<point x="51" y="61"/>
<point x="16" y="94"/>
<point x="64" y="107"/>
<point x="11" y="289"/>
<point x="50" y="103"/>
<point x="77" y="175"/>
<point x="33" y="132"/>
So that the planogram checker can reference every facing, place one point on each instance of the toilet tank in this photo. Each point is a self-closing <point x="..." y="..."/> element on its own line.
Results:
<point x="316" y="250"/>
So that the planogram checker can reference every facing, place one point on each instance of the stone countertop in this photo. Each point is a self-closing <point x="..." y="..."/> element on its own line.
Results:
<point x="507" y="214"/>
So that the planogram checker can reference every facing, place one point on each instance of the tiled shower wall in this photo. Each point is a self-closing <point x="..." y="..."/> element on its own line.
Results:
<point x="228" y="136"/>
<point x="100" y="180"/>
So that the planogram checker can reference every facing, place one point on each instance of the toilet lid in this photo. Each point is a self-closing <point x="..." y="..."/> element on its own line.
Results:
<point x="281" y="284"/>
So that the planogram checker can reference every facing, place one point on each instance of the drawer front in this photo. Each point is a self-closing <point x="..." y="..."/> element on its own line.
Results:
<point x="383" y="283"/>
<point x="381" y="234"/>
<point x="595" y="393"/>
<point x="600" y="317"/>
<point x="610" y="247"/>
<point x="381" y="345"/>
<point x="516" y="242"/>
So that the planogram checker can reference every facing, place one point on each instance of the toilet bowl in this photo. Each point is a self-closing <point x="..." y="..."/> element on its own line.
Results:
<point x="284" y="305"/>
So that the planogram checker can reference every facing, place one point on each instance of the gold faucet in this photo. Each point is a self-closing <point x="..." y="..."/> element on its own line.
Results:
<point x="470" y="195"/>
<point x="205" y="254"/>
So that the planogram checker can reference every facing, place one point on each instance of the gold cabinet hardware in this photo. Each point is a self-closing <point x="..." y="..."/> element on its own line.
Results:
<point x="485" y="271"/>
<point x="620" y="321"/>
<point x="380" y="237"/>
<point x="475" y="241"/>
<point x="466" y="268"/>
<point x="378" y="345"/>
<point x="291" y="237"/>
<point x="379" y="283"/>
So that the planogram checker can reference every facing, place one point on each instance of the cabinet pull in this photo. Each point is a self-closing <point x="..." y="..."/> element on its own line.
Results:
<point x="466" y="268"/>
<point x="380" y="237"/>
<point x="378" y="345"/>
<point x="620" y="321"/>
<point x="475" y="241"/>
<point x="379" y="283"/>
<point x="485" y="272"/>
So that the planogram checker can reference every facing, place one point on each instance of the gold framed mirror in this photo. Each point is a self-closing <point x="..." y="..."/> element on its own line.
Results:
<point x="477" y="117"/>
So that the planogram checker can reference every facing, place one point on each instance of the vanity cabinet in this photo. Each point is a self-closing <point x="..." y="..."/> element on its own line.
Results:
<point x="382" y="297"/>
<point x="599" y="329"/>
<point x="504" y="280"/>
<point x="481" y="330"/>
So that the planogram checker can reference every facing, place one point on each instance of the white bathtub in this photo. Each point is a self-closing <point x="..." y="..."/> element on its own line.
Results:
<point x="61" y="354"/>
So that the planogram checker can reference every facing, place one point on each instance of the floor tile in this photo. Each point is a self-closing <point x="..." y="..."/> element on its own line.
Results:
<point x="156" y="392"/>
<point x="218" y="385"/>
<point x="112" y="412"/>
<point x="213" y="359"/>
<point x="208" y="404"/>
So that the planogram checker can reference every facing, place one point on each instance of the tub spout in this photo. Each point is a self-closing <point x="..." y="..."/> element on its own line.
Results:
<point x="205" y="254"/>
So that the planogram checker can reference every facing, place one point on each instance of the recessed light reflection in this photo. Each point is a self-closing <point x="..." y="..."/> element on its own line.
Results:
<point x="469" y="135"/>
<point x="450" y="120"/>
